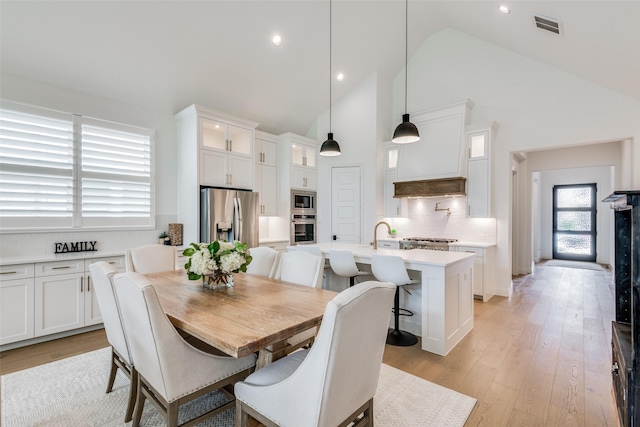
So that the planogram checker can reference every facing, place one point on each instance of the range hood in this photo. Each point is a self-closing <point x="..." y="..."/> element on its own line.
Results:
<point x="430" y="188"/>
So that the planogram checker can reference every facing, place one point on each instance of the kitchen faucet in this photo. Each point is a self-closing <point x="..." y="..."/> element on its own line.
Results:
<point x="375" y="233"/>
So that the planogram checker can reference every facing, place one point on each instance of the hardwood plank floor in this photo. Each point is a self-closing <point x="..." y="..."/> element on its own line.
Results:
<point x="539" y="358"/>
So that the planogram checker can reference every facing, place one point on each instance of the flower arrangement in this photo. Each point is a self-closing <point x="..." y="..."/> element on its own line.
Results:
<point x="217" y="260"/>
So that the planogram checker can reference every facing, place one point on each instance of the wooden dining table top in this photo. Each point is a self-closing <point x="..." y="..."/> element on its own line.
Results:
<point x="255" y="313"/>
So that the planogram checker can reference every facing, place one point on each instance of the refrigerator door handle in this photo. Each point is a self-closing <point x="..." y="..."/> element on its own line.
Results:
<point x="238" y="217"/>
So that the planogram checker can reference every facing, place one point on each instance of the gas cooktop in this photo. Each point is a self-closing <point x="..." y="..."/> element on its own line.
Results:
<point x="430" y="239"/>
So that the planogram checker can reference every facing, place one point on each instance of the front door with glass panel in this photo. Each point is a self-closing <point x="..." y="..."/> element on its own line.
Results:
<point x="574" y="222"/>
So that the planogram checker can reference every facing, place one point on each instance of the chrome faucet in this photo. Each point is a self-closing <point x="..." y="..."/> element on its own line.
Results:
<point x="375" y="233"/>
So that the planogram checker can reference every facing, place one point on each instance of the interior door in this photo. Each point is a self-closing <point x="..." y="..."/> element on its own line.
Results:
<point x="574" y="222"/>
<point x="346" y="202"/>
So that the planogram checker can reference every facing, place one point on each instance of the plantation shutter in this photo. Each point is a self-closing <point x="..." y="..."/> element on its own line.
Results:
<point x="36" y="169"/>
<point x="116" y="178"/>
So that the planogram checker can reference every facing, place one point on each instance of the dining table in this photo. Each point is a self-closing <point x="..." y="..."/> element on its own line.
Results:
<point x="256" y="314"/>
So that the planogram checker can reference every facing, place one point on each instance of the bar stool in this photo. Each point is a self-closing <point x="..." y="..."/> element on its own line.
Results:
<point x="387" y="268"/>
<point x="343" y="265"/>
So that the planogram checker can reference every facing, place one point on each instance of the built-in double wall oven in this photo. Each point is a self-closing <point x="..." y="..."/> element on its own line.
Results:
<point x="303" y="217"/>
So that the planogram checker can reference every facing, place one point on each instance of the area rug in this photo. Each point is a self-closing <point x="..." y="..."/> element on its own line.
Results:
<point x="574" y="264"/>
<point x="71" y="392"/>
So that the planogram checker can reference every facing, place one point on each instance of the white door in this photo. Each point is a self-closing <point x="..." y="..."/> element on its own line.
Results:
<point x="346" y="202"/>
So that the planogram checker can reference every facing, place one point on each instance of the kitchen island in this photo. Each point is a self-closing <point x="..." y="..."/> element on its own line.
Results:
<point x="445" y="291"/>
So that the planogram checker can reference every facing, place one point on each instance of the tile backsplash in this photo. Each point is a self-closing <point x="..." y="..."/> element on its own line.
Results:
<point x="423" y="220"/>
<point x="38" y="244"/>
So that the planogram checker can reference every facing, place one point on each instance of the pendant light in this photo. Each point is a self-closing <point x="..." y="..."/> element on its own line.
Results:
<point x="406" y="132"/>
<point x="330" y="147"/>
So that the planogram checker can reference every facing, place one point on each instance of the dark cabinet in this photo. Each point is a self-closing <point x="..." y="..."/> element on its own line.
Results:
<point x="625" y="341"/>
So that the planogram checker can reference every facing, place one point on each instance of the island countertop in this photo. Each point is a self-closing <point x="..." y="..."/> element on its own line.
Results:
<point x="362" y="253"/>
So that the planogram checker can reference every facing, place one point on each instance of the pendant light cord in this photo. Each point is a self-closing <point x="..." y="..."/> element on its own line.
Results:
<point x="330" y="65"/>
<point x="406" y="51"/>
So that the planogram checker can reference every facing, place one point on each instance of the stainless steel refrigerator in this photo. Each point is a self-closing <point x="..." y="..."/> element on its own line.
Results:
<point x="229" y="215"/>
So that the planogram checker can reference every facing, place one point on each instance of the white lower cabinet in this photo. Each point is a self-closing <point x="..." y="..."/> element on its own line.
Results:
<point x="16" y="303"/>
<point x="47" y="298"/>
<point x="483" y="270"/>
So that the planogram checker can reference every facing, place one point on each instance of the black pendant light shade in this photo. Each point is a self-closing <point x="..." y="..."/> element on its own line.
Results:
<point x="330" y="147"/>
<point x="406" y="132"/>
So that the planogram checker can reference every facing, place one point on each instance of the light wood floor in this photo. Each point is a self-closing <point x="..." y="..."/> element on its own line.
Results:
<point x="539" y="358"/>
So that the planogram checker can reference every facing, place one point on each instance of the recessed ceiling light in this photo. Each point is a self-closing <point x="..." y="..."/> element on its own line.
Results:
<point x="340" y="77"/>
<point x="277" y="40"/>
<point x="504" y="9"/>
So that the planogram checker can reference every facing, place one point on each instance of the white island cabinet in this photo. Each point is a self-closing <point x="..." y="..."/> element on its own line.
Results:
<point x="446" y="295"/>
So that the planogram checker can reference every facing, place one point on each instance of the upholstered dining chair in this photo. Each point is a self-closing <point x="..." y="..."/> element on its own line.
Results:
<point x="302" y="268"/>
<point x="151" y="258"/>
<point x="264" y="261"/>
<point x="315" y="250"/>
<point x="389" y="268"/>
<point x="170" y="371"/>
<point x="332" y="383"/>
<point x="343" y="265"/>
<point x="101" y="275"/>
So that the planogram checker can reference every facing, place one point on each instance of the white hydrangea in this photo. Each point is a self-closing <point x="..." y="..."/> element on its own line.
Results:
<point x="202" y="263"/>
<point x="231" y="262"/>
<point x="227" y="245"/>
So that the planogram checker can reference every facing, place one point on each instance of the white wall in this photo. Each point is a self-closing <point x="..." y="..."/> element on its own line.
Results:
<point x="536" y="107"/>
<point x="353" y="126"/>
<point x="28" y="92"/>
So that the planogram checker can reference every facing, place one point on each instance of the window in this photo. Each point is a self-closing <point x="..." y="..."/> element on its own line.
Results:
<point x="65" y="171"/>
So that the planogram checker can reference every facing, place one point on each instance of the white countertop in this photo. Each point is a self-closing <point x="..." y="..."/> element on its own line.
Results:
<point x="27" y="259"/>
<point x="273" y="240"/>
<point x="362" y="253"/>
<point x="472" y="244"/>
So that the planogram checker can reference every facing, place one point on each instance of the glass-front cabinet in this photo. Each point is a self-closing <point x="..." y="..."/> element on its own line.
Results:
<point x="224" y="137"/>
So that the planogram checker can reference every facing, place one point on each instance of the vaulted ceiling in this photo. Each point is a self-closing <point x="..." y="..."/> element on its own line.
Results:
<point x="166" y="55"/>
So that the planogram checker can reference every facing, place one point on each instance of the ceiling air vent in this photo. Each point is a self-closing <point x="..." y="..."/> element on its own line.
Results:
<point x="548" y="24"/>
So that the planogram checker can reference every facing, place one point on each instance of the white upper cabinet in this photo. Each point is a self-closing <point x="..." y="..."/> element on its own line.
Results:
<point x="440" y="151"/>
<point x="225" y="137"/>
<point x="479" y="144"/>
<point x="266" y="173"/>
<point x="393" y="207"/>
<point x="300" y="153"/>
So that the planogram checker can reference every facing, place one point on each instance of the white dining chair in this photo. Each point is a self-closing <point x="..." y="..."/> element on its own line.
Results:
<point x="332" y="383"/>
<point x="101" y="275"/>
<point x="151" y="259"/>
<point x="314" y="250"/>
<point x="264" y="261"/>
<point x="170" y="371"/>
<point x="302" y="268"/>
<point x="343" y="265"/>
<point x="389" y="268"/>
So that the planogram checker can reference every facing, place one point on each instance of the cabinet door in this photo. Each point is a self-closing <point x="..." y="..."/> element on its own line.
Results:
<point x="297" y="155"/>
<point x="392" y="205"/>
<point x="478" y="189"/>
<point x="268" y="152"/>
<point x="310" y="157"/>
<point x="16" y="310"/>
<point x="213" y="134"/>
<point x="297" y="177"/>
<point x="310" y="179"/>
<point x="213" y="168"/>
<point x="59" y="303"/>
<point x="240" y="172"/>
<point x="240" y="140"/>
<point x="268" y="191"/>
<point x="92" y="315"/>
<point x="478" y="268"/>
